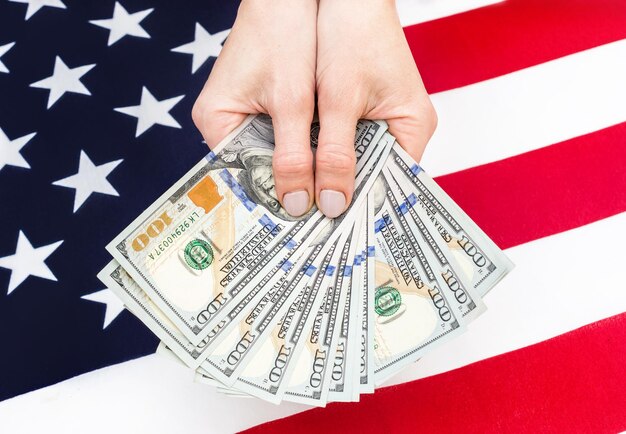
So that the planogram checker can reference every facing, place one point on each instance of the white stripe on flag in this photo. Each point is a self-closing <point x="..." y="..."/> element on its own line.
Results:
<point x="151" y="394"/>
<point x="560" y="283"/>
<point x="581" y="284"/>
<point x="528" y="109"/>
<point x="418" y="11"/>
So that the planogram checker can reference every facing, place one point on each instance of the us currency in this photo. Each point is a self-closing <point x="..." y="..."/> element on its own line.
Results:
<point x="267" y="376"/>
<point x="234" y="327"/>
<point x="165" y="351"/>
<point x="412" y="312"/>
<point x="235" y="348"/>
<point x="366" y="371"/>
<point x="137" y="301"/>
<point x="477" y="254"/>
<point x="230" y="350"/>
<point x="346" y="351"/>
<point x="356" y="368"/>
<point x="364" y="280"/>
<point x="419" y="231"/>
<point x="264" y="320"/>
<point x="310" y="376"/>
<point x="358" y="289"/>
<point x="218" y="224"/>
<point x="250" y="327"/>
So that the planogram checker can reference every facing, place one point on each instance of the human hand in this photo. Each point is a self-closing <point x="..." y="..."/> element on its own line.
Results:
<point x="365" y="70"/>
<point x="267" y="66"/>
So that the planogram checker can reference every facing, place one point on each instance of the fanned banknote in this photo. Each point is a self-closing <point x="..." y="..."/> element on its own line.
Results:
<point x="218" y="224"/>
<point x="309" y="310"/>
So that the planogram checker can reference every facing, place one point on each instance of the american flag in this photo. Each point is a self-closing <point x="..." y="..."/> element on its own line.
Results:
<point x="95" y="101"/>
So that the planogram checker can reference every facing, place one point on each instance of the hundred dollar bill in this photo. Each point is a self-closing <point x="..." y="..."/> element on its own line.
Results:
<point x="230" y="351"/>
<point x="229" y="343"/>
<point x="264" y="320"/>
<point x="250" y="327"/>
<point x="366" y="371"/>
<point x="216" y="225"/>
<point x="137" y="301"/>
<point x="310" y="376"/>
<point x="166" y="352"/>
<point x="358" y="289"/>
<point x="477" y="254"/>
<point x="234" y="325"/>
<point x="163" y="350"/>
<point x="267" y="375"/>
<point x="359" y="371"/>
<point x="411" y="311"/>
<point x="346" y="351"/>
<point x="419" y="231"/>
<point x="244" y="340"/>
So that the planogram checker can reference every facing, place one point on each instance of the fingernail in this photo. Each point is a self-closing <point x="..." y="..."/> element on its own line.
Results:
<point x="332" y="203"/>
<point x="296" y="203"/>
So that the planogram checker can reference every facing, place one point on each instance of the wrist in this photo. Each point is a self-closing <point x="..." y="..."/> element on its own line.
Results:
<point x="354" y="4"/>
<point x="268" y="7"/>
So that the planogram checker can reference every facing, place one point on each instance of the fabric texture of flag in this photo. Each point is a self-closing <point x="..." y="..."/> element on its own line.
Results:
<point x="95" y="102"/>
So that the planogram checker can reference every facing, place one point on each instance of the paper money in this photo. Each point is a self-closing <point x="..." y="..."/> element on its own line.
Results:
<point x="122" y="285"/>
<point x="231" y="355"/>
<point x="412" y="312"/>
<point x="420" y="232"/>
<point x="343" y="364"/>
<point x="477" y="254"/>
<point x="309" y="310"/>
<point x="310" y="376"/>
<point x="365" y="268"/>
<point x="220" y="221"/>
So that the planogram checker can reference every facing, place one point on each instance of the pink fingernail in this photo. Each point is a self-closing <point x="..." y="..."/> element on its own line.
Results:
<point x="296" y="203"/>
<point x="332" y="203"/>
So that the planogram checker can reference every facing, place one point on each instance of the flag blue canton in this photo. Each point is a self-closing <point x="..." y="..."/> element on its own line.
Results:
<point x="94" y="125"/>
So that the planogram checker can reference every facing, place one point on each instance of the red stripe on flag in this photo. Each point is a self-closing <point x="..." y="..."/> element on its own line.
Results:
<point x="546" y="191"/>
<point x="487" y="42"/>
<point x="573" y="383"/>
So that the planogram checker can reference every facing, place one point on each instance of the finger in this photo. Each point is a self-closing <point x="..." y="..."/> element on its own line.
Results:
<point x="414" y="131"/>
<point x="293" y="160"/>
<point x="335" y="163"/>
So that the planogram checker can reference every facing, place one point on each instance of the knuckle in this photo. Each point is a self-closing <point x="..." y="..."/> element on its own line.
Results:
<point x="292" y="163"/>
<point x="430" y="117"/>
<point x="423" y="116"/>
<point x="336" y="159"/>
<point x="197" y="113"/>
<point x="295" y="101"/>
<point x="202" y="114"/>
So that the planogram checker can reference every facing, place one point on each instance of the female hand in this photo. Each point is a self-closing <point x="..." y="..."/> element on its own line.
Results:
<point x="365" y="70"/>
<point x="267" y="65"/>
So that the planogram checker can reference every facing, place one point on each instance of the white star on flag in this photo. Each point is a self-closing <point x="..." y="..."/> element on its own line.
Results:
<point x="114" y="305"/>
<point x="3" y="49"/>
<point x="10" y="150"/>
<point x="203" y="46"/>
<point x="28" y="261"/>
<point x="63" y="79"/>
<point x="151" y="111"/>
<point x="35" y="5"/>
<point x="89" y="179"/>
<point x="122" y="23"/>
